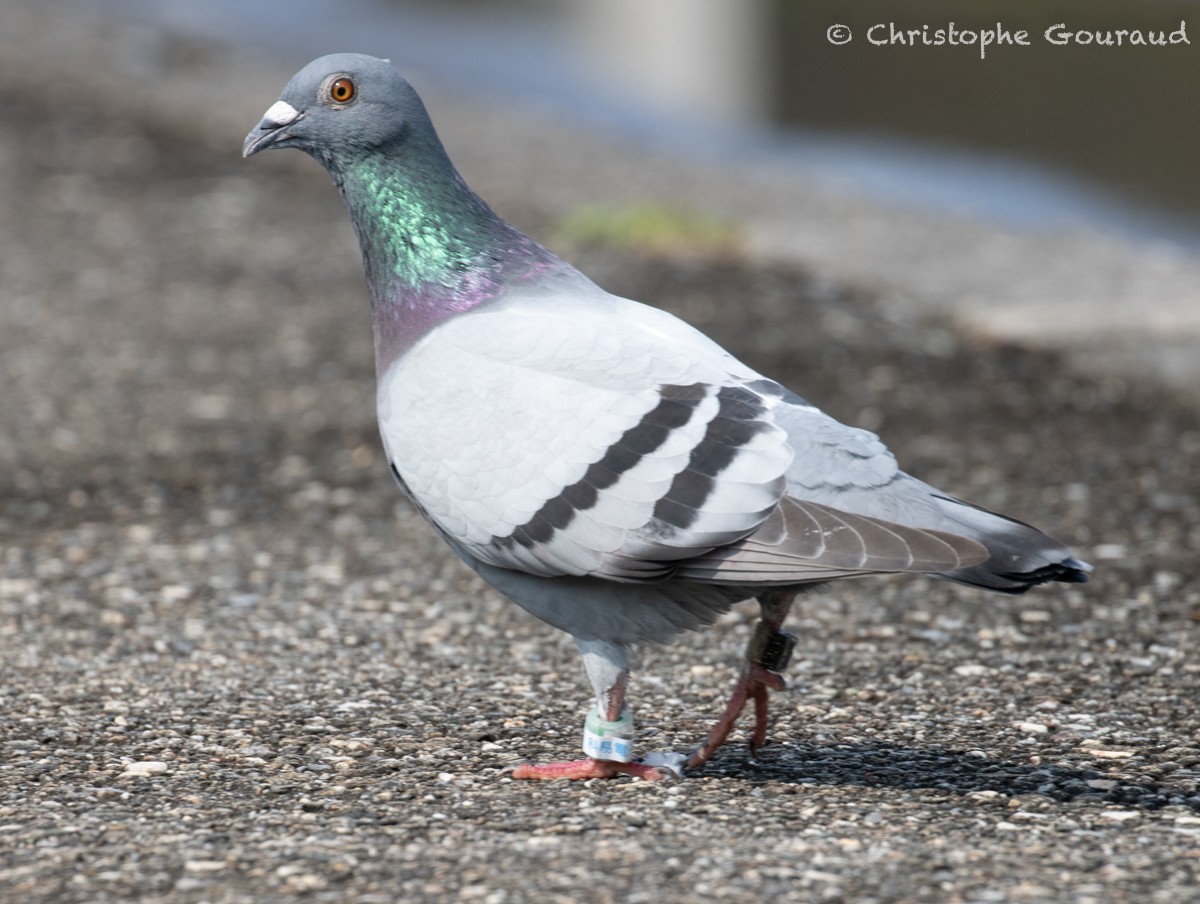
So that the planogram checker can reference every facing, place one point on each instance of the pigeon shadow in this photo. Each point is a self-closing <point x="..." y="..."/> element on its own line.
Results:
<point x="952" y="771"/>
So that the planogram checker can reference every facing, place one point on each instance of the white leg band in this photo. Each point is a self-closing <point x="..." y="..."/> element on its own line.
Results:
<point x="604" y="740"/>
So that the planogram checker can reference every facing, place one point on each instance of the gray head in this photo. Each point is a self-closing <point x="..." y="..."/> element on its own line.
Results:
<point x="340" y="107"/>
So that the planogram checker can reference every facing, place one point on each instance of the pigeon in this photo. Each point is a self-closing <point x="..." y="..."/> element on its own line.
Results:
<point x="597" y="461"/>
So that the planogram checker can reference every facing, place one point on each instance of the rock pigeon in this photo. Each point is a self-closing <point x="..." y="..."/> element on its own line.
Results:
<point x="599" y="462"/>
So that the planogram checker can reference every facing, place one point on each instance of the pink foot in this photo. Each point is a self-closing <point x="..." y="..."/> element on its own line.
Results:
<point x="589" y="768"/>
<point x="753" y="684"/>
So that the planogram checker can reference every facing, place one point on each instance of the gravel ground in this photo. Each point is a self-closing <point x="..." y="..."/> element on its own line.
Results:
<point x="238" y="668"/>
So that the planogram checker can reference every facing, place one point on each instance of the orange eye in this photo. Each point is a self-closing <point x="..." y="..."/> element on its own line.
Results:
<point x="342" y="90"/>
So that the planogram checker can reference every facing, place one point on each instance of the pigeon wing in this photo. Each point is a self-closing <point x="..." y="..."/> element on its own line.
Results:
<point x="583" y="440"/>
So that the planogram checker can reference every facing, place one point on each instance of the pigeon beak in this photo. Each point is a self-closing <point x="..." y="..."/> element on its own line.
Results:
<point x="272" y="129"/>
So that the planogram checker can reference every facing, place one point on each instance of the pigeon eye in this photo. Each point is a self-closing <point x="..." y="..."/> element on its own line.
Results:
<point x="342" y="90"/>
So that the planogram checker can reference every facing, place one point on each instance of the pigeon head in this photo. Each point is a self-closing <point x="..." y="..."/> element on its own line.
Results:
<point x="339" y="108"/>
<point x="431" y="247"/>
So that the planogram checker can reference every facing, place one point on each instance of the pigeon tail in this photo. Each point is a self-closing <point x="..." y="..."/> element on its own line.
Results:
<point x="1021" y="556"/>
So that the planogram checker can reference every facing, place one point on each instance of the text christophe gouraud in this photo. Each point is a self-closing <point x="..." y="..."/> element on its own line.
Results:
<point x="889" y="34"/>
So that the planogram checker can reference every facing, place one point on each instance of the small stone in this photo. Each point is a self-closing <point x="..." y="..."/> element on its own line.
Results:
<point x="143" y="769"/>
<point x="1120" y="815"/>
<point x="983" y="795"/>
<point x="203" y="866"/>
<point x="972" y="670"/>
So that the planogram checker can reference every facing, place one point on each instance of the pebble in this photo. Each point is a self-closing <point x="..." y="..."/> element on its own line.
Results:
<point x="1120" y="815"/>
<point x="204" y="866"/>
<point x="971" y="670"/>
<point x="1031" y="727"/>
<point x="148" y="767"/>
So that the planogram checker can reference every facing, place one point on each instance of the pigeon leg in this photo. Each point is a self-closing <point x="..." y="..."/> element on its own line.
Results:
<point x="767" y="654"/>
<point x="607" y="666"/>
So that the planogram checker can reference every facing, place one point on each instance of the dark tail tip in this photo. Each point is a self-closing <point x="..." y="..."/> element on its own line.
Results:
<point x="1069" y="571"/>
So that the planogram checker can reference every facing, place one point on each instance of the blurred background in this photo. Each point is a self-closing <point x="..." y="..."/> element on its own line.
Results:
<point x="1038" y="135"/>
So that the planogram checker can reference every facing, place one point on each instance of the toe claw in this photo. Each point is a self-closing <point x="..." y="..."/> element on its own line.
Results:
<point x="753" y="685"/>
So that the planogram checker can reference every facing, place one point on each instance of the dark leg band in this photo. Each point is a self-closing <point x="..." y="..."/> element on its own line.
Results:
<point x="770" y="648"/>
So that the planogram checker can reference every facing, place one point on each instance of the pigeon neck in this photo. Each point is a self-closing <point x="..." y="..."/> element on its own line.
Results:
<point x="431" y="247"/>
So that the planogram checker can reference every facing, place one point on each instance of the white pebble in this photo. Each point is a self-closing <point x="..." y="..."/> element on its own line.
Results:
<point x="148" y="767"/>
<point x="1120" y="815"/>
<point x="1031" y="727"/>
<point x="971" y="670"/>
<point x="204" y="866"/>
